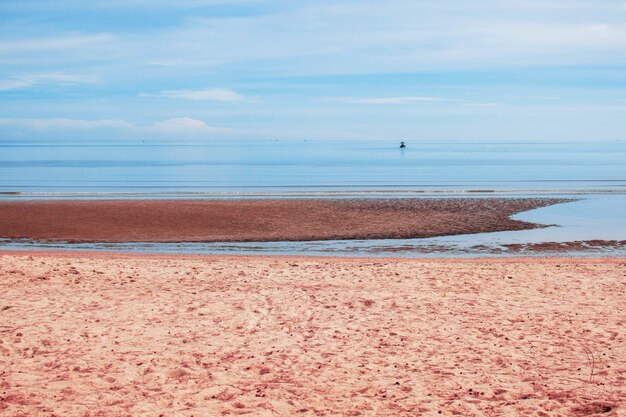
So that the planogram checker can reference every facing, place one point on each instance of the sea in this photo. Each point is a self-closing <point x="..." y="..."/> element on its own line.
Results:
<point x="592" y="173"/>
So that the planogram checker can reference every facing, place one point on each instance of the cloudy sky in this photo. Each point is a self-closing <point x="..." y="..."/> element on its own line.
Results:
<point x="317" y="69"/>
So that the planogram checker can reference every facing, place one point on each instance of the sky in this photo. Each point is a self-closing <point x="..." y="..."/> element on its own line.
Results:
<point x="342" y="69"/>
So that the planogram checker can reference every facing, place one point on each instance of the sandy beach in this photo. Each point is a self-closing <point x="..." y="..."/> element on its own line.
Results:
<point x="260" y="220"/>
<point x="128" y="335"/>
<point x="312" y="208"/>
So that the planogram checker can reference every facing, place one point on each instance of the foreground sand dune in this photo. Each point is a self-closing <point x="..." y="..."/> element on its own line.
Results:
<point x="91" y="335"/>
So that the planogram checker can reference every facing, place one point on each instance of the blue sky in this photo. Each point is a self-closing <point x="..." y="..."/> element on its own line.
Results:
<point x="229" y="69"/>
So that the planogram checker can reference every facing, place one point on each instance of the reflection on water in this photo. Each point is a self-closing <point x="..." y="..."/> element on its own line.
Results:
<point x="138" y="169"/>
<point x="592" y="171"/>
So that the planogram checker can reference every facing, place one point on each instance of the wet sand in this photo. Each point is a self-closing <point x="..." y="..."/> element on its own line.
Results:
<point x="574" y="246"/>
<point x="109" y="334"/>
<point x="259" y="220"/>
<point x="602" y="248"/>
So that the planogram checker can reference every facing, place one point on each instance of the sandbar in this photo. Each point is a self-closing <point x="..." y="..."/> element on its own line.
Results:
<point x="260" y="220"/>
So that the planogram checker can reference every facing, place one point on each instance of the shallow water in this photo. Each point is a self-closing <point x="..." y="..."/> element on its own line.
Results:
<point x="592" y="172"/>
<point x="283" y="168"/>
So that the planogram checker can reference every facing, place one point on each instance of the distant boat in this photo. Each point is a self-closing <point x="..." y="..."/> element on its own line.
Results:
<point x="402" y="145"/>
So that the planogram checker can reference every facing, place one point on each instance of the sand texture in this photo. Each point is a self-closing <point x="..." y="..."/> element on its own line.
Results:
<point x="259" y="220"/>
<point x="130" y="335"/>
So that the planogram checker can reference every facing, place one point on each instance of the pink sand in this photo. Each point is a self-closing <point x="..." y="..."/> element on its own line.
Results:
<point x="124" y="335"/>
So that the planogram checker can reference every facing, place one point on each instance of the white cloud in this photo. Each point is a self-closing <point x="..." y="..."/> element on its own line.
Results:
<point x="65" y="5"/>
<point x="74" y="41"/>
<point x="31" y="80"/>
<point x="187" y="126"/>
<point x="389" y="100"/>
<point x="64" y="124"/>
<point x="480" y="104"/>
<point x="13" y="84"/>
<point x="182" y="127"/>
<point x="216" y="94"/>
<point x="399" y="37"/>
<point x="342" y="37"/>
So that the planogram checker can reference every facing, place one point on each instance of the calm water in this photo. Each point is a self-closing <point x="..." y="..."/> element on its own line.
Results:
<point x="136" y="168"/>
<point x="594" y="173"/>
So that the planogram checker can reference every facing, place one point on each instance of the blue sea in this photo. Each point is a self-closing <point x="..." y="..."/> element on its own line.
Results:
<point x="282" y="167"/>
<point x="593" y="173"/>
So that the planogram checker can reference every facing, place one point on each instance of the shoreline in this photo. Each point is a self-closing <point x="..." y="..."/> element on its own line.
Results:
<point x="140" y="334"/>
<point x="73" y="254"/>
<point x="261" y="220"/>
<point x="591" y="249"/>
